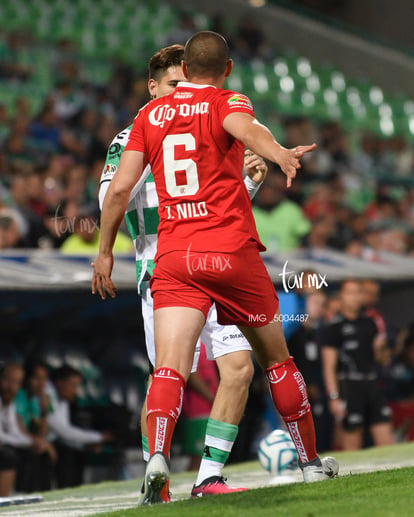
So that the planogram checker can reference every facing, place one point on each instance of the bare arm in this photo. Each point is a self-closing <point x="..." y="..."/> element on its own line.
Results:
<point x="259" y="139"/>
<point x="329" y="362"/>
<point x="116" y="200"/>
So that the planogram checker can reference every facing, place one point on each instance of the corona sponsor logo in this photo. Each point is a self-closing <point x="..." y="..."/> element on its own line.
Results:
<point x="161" y="114"/>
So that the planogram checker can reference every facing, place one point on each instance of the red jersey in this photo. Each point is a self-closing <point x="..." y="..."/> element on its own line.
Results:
<point x="197" y="167"/>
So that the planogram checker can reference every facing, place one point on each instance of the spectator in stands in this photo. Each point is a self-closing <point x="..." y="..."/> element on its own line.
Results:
<point x="22" y="108"/>
<point x="4" y="123"/>
<point x="12" y="229"/>
<point x="60" y="222"/>
<point x="343" y="232"/>
<point x="45" y="129"/>
<point x="20" y="200"/>
<point x="350" y="350"/>
<point x="280" y="222"/>
<point x="71" y="441"/>
<point x="85" y="239"/>
<point x="75" y="185"/>
<point x="320" y="202"/>
<point x="11" y="60"/>
<point x="180" y="34"/>
<point x="16" y="443"/>
<point x="16" y="147"/>
<point x="250" y="42"/>
<point x="321" y="233"/>
<point x="33" y="406"/>
<point x="66" y="101"/>
<point x="402" y="396"/>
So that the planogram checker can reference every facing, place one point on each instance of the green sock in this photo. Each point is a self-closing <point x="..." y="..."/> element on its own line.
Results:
<point x="219" y="441"/>
<point x="145" y="448"/>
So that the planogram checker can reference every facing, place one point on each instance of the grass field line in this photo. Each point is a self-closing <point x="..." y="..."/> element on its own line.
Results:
<point x="110" y="496"/>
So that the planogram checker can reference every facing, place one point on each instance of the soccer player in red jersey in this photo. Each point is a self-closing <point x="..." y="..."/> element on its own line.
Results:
<point x="208" y="247"/>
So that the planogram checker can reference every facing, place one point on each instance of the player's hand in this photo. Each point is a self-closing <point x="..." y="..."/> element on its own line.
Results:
<point x="101" y="279"/>
<point x="255" y="167"/>
<point x="289" y="160"/>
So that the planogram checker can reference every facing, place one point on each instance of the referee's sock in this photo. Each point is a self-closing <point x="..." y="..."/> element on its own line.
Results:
<point x="219" y="441"/>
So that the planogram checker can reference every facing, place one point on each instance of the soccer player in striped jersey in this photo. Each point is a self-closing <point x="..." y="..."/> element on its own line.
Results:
<point x="225" y="344"/>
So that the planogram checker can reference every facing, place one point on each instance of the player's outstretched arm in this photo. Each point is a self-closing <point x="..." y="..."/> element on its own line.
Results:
<point x="259" y="139"/>
<point x="116" y="200"/>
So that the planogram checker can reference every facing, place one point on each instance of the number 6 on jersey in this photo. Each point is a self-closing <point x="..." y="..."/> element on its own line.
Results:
<point x="171" y="165"/>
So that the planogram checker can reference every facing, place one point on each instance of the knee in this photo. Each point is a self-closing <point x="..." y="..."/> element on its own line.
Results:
<point x="237" y="375"/>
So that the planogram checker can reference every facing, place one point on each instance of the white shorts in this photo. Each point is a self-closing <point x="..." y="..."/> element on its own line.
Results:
<point x="218" y="339"/>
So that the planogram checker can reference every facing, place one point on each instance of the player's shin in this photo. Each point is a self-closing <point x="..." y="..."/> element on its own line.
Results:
<point x="290" y="398"/>
<point x="164" y="401"/>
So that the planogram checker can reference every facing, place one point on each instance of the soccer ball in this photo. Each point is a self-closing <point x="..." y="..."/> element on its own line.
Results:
<point x="277" y="453"/>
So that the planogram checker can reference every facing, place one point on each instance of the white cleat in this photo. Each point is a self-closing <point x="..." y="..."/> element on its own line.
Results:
<point x="328" y="469"/>
<point x="157" y="476"/>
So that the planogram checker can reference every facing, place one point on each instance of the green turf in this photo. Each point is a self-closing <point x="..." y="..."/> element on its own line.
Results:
<point x="387" y="493"/>
<point x="378" y="494"/>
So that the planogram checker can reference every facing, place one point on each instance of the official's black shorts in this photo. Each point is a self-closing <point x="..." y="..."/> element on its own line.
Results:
<point x="365" y="404"/>
<point x="9" y="458"/>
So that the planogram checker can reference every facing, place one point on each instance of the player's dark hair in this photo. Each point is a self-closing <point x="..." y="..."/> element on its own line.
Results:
<point x="163" y="59"/>
<point x="206" y="54"/>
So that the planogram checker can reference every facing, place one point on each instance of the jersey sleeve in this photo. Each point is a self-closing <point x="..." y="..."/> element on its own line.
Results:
<point x="111" y="166"/>
<point x="136" y="140"/>
<point x="233" y="102"/>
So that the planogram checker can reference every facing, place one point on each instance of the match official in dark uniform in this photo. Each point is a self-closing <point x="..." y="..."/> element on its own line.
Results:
<point x="351" y="347"/>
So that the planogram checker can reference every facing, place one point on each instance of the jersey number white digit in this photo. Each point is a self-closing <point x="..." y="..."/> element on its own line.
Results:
<point x="171" y="165"/>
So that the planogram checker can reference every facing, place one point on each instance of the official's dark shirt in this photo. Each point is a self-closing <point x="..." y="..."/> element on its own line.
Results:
<point x="354" y="340"/>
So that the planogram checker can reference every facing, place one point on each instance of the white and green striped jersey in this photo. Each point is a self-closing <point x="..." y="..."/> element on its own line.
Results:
<point x="141" y="216"/>
<point x="142" y="212"/>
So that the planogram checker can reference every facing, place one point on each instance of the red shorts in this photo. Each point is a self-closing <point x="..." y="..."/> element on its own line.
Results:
<point x="238" y="283"/>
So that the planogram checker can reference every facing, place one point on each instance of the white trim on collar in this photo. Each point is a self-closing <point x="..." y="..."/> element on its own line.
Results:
<point x="184" y="84"/>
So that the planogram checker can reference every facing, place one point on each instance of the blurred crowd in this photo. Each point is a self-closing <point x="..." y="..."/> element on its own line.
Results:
<point x="354" y="193"/>
<point x="46" y="434"/>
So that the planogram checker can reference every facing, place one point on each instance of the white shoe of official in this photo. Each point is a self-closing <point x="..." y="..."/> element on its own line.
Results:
<point x="156" y="478"/>
<point x="328" y="469"/>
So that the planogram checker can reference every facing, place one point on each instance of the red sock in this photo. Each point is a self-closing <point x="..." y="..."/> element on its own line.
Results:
<point x="288" y="390"/>
<point x="164" y="401"/>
